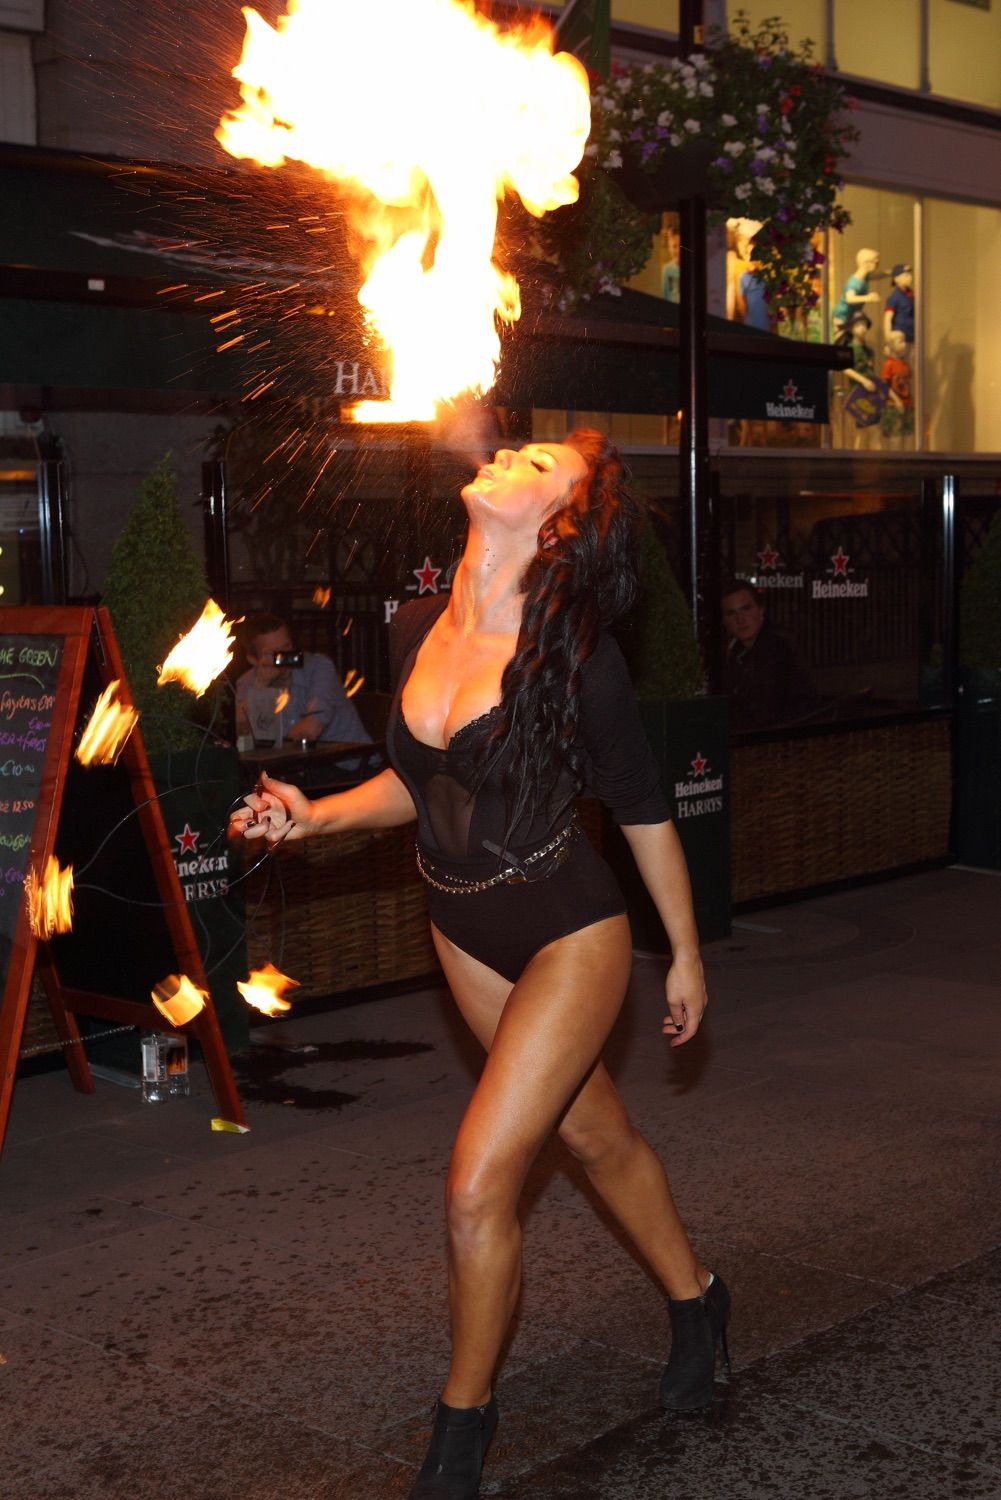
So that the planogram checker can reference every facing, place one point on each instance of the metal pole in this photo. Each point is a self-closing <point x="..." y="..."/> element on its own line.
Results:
<point x="51" y="527"/>
<point x="951" y="566"/>
<point x="694" y="475"/>
<point x="216" y="529"/>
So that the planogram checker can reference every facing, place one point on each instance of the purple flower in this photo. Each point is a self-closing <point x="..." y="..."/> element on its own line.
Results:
<point x="723" y="164"/>
<point x="757" y="167"/>
<point x="649" y="149"/>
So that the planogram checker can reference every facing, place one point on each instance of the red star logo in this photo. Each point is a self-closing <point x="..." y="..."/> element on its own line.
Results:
<point x="791" y="391"/>
<point x="699" y="764"/>
<point x="840" y="561"/>
<point x="769" y="558"/>
<point x="427" y="577"/>
<point x="188" y="840"/>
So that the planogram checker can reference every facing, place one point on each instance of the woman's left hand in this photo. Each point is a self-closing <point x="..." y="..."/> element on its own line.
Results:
<point x="686" y="998"/>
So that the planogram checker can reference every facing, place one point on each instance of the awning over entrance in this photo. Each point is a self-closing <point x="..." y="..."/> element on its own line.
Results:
<point x="621" y="354"/>
<point x="133" y="287"/>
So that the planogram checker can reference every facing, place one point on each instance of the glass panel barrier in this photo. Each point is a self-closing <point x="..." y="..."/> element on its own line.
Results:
<point x="846" y="593"/>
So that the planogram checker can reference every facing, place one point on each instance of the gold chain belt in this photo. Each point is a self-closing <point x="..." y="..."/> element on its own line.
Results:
<point x="517" y="873"/>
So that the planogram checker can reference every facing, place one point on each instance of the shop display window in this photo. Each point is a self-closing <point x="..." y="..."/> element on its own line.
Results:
<point x="962" y="327"/>
<point x="873" y="308"/>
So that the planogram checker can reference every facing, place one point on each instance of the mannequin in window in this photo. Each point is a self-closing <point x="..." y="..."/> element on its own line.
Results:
<point x="856" y="292"/>
<point x="896" y="420"/>
<point x="898" y="315"/>
<point x="861" y="376"/>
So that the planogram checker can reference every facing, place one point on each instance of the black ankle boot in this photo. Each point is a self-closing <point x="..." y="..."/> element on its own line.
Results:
<point x="459" y="1443"/>
<point x="698" y="1328"/>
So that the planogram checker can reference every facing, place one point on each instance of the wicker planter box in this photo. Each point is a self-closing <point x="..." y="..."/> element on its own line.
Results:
<point x="818" y="808"/>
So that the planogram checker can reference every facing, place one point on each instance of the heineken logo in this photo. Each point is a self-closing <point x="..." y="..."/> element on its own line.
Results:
<point x="202" y="876"/>
<point x="838" y="584"/>
<point x="769" y="576"/>
<point x="790" y="406"/>
<point x="694" y="793"/>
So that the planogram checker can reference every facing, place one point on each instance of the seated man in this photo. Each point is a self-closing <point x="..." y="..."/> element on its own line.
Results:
<point x="764" y="675"/>
<point x="306" y="702"/>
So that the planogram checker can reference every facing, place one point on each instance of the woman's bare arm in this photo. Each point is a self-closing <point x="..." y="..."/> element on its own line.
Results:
<point x="660" y="860"/>
<point x="277" y="811"/>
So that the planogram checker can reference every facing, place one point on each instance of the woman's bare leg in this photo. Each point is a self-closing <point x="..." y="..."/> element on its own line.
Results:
<point x="551" y="1028"/>
<point x="542" y="1036"/>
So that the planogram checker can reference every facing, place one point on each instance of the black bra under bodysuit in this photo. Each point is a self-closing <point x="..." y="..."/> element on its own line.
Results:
<point x="459" y="831"/>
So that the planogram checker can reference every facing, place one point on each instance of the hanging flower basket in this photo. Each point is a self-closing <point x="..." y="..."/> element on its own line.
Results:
<point x="679" y="172"/>
<point x="758" y="129"/>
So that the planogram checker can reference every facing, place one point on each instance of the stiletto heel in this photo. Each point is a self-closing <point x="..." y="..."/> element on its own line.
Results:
<point x="459" y="1442"/>
<point x="698" y="1329"/>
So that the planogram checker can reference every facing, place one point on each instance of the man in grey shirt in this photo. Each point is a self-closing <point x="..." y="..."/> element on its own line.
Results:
<point x="302" y="703"/>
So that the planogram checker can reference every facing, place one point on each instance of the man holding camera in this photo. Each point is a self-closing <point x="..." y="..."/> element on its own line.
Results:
<point x="291" y="695"/>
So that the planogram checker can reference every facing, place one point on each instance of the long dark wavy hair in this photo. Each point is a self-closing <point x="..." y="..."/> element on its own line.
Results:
<point x="582" y="577"/>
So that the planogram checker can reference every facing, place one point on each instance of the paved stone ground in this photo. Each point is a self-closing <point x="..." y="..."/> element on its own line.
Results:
<point x="212" y="1317"/>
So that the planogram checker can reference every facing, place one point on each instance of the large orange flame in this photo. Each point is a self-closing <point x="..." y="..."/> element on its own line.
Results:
<point x="436" y="114"/>
<point x="199" y="657"/>
<point x="265" y="988"/>
<point x="178" y="998"/>
<point x="108" y="727"/>
<point x="50" y="899"/>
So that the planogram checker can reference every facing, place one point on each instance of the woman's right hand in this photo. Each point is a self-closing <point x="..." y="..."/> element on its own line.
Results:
<point x="274" y="811"/>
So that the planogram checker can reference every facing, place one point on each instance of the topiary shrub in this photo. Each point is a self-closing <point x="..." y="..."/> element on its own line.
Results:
<point x="155" y="590"/>
<point x="980" y="604"/>
<point x="663" y="655"/>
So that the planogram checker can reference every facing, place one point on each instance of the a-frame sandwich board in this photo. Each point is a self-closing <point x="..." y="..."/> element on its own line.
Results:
<point x="44" y="653"/>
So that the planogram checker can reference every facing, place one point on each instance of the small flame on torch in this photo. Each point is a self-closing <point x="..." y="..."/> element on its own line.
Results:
<point x="466" y="113"/>
<point x="178" y="998"/>
<point x="108" y="728"/>
<point x="201" y="655"/>
<point x="353" y="682"/>
<point x="50" y="900"/>
<point x="264" y="990"/>
<point x="321" y="596"/>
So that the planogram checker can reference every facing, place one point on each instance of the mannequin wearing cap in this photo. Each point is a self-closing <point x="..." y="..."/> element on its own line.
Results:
<point x="896" y="420"/>
<point x="898" y="316"/>
<point x="856" y="293"/>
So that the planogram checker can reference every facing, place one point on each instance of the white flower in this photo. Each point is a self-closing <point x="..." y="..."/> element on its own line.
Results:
<point x="609" y="287"/>
<point x="693" y="126"/>
<point x="675" y="140"/>
<point x="815" y="208"/>
<point x="728" y="120"/>
<point x="638" y="114"/>
<point x="762" y="109"/>
<point x="614" y="135"/>
<point x="734" y="148"/>
<point x="624" y="85"/>
<point x="766" y="184"/>
<point x="706" y="89"/>
<point x="743" y="190"/>
<point x="591" y="149"/>
<point x="699" y="60"/>
<point x="613" y="159"/>
<point x="664" y="118"/>
<point x="765" y="153"/>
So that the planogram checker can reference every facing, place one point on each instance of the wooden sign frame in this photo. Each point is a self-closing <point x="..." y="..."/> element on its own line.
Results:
<point x="87" y="632"/>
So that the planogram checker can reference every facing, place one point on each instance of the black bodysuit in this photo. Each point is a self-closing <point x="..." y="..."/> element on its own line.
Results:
<point x="507" y="924"/>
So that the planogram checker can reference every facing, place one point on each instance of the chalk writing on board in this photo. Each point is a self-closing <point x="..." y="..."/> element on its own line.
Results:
<point x="29" y="673"/>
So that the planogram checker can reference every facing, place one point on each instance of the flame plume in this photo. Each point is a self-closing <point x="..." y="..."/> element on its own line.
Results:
<point x="465" y="113"/>
<point x="50" y="899"/>
<point x="108" y="727"/>
<point x="201" y="655"/>
<point x="178" y="998"/>
<point x="264" y="990"/>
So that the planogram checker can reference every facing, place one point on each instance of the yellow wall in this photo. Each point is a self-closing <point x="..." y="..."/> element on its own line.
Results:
<point x="880" y="41"/>
<point x="655" y="15"/>
<point x="964" y="46"/>
<point x="963" y="327"/>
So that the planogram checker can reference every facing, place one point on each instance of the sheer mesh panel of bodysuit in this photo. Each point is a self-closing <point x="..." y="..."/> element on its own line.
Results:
<point x="449" y="808"/>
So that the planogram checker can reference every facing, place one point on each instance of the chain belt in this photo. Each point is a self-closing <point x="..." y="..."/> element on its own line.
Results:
<point x="518" y="871"/>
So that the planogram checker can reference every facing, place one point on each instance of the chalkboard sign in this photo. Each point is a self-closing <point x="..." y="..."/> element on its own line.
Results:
<point x="29" y="677"/>
<point x="46" y="656"/>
